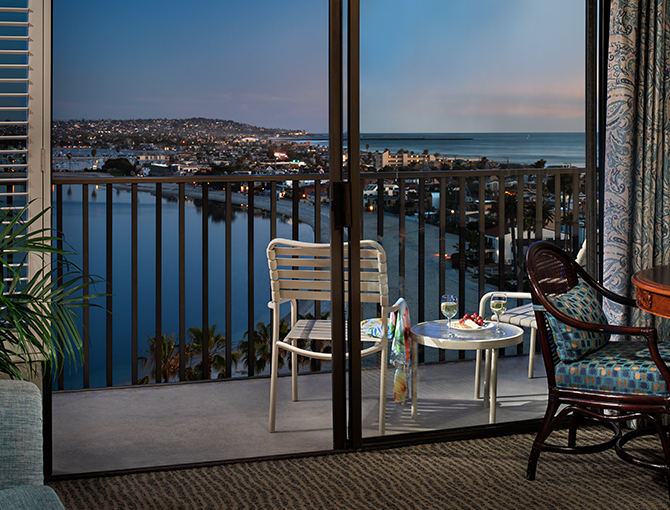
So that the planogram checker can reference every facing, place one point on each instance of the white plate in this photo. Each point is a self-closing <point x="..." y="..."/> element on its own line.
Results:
<point x="486" y="328"/>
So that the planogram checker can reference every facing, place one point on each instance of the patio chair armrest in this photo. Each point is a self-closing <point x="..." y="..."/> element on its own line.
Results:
<point x="487" y="296"/>
<point x="389" y="309"/>
<point x="272" y="304"/>
<point x="304" y="352"/>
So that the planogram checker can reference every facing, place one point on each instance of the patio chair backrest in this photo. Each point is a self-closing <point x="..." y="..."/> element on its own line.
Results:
<point x="300" y="270"/>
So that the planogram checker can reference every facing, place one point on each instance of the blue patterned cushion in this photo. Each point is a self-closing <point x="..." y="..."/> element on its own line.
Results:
<point x="373" y="328"/>
<point x="619" y="367"/>
<point x="581" y="303"/>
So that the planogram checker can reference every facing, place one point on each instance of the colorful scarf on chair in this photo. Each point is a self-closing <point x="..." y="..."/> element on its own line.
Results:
<point x="401" y="348"/>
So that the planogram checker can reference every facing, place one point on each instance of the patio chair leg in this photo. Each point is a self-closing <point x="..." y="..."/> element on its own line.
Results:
<point x="294" y="375"/>
<point x="531" y="353"/>
<point x="273" y="386"/>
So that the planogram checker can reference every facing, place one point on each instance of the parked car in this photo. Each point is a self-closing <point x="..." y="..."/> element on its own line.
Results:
<point x="389" y="190"/>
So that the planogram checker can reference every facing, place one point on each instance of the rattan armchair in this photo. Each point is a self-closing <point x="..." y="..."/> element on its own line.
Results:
<point x="590" y="376"/>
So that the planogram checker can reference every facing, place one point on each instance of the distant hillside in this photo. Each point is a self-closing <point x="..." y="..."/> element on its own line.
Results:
<point x="134" y="131"/>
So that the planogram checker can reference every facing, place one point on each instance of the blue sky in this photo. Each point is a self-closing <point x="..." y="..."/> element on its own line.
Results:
<point x="426" y="65"/>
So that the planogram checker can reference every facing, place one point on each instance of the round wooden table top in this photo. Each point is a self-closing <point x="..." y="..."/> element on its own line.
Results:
<point x="655" y="279"/>
<point x="653" y="290"/>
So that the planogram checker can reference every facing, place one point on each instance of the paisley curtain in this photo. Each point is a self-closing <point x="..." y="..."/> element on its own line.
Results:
<point x="637" y="177"/>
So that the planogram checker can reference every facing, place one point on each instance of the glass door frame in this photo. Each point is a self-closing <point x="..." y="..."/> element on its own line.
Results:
<point x="347" y="413"/>
<point x="347" y="434"/>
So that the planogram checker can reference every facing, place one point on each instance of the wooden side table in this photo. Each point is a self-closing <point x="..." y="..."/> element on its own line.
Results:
<point x="653" y="290"/>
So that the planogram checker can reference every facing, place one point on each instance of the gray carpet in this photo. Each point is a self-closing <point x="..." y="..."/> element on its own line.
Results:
<point x="474" y="474"/>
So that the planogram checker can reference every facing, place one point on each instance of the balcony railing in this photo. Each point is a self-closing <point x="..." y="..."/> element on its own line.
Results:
<point x="170" y="280"/>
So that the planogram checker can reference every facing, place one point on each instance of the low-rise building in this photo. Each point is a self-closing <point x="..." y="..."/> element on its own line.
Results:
<point x="402" y="159"/>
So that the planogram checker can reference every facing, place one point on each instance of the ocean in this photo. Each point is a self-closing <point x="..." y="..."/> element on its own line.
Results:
<point x="519" y="148"/>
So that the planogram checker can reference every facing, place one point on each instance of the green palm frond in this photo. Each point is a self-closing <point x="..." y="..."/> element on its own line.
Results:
<point x="38" y="319"/>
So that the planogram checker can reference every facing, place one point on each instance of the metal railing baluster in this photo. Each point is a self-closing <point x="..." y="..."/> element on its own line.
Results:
<point x="443" y="178"/>
<point x="158" y="259"/>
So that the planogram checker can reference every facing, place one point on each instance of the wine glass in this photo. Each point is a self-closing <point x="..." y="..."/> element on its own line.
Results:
<point x="449" y="307"/>
<point x="498" y="307"/>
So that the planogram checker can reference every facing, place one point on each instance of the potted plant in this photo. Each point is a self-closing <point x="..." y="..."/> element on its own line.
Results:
<point x="38" y="320"/>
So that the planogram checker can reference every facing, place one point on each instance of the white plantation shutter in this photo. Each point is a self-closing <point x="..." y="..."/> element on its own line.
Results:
<point x="25" y="106"/>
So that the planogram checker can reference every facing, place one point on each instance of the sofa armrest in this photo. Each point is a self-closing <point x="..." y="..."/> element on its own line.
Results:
<point x="21" y="454"/>
<point x="30" y="497"/>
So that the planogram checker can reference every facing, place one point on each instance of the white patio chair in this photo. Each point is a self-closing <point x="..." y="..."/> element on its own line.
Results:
<point x="523" y="315"/>
<point x="300" y="270"/>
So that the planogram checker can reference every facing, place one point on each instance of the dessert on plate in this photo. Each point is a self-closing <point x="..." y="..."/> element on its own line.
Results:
<point x="468" y="321"/>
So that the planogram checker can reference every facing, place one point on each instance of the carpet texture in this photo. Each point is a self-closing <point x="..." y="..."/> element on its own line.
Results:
<point x="473" y="474"/>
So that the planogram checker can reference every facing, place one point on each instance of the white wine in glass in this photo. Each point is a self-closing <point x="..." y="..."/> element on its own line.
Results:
<point x="449" y="307"/>
<point x="498" y="307"/>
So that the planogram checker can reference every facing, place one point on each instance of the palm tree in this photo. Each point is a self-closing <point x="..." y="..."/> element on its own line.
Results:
<point x="528" y="219"/>
<point x="529" y="215"/>
<point x="217" y="353"/>
<point x="262" y="346"/>
<point x="38" y="320"/>
<point x="169" y="358"/>
<point x="567" y="222"/>
<point x="565" y="191"/>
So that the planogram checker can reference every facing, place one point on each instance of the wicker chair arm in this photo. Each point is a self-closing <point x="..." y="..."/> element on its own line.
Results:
<point x="622" y="300"/>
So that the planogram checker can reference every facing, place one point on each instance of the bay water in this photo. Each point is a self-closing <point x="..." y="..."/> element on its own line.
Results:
<point x="121" y="279"/>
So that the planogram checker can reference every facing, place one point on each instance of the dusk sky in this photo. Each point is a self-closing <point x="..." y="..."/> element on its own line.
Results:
<point x="426" y="65"/>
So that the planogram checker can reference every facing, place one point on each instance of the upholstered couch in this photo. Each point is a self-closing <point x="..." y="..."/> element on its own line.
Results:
<point x="21" y="456"/>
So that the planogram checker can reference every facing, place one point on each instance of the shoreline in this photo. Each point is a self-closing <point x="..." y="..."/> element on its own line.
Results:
<point x="284" y="207"/>
<point x="388" y="237"/>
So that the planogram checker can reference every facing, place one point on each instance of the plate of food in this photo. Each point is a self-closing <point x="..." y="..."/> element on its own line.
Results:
<point x="470" y="325"/>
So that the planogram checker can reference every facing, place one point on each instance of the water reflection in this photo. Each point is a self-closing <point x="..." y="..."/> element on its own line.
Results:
<point x="121" y="279"/>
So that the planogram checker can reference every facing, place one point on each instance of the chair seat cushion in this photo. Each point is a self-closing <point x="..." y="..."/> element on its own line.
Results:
<point x="523" y="316"/>
<point x="618" y="367"/>
<point x="581" y="303"/>
<point x="373" y="328"/>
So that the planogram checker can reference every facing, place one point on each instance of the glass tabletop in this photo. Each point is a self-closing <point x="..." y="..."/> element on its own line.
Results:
<point x="434" y="333"/>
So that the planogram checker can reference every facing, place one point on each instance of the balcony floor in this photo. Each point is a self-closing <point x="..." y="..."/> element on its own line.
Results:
<point x="152" y="426"/>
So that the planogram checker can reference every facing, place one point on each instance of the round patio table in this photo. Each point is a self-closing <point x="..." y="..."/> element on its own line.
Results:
<point x="434" y="334"/>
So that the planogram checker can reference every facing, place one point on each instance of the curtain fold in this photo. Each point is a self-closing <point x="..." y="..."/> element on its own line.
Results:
<point x="637" y="180"/>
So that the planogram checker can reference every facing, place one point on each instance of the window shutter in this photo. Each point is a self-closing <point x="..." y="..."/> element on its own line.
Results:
<point x="25" y="107"/>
